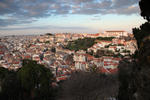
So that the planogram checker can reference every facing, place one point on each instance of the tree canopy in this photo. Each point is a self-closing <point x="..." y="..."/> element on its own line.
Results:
<point x="81" y="44"/>
<point x="32" y="81"/>
<point x="145" y="9"/>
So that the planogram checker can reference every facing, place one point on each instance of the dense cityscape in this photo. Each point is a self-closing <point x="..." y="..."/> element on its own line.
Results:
<point x="74" y="50"/>
<point x="51" y="51"/>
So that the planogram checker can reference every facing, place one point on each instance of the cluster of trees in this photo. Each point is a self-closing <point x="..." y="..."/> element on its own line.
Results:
<point x="85" y="43"/>
<point x="101" y="53"/>
<point x="32" y="82"/>
<point x="81" y="44"/>
<point x="105" y="38"/>
<point x="50" y="34"/>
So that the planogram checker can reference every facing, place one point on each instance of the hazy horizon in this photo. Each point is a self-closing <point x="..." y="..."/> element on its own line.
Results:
<point x="21" y="17"/>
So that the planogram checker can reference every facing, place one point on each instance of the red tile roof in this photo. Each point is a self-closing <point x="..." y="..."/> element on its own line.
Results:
<point x="115" y="31"/>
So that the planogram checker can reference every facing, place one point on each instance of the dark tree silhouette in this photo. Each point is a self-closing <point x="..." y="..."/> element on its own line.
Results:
<point x="127" y="80"/>
<point x="53" y="49"/>
<point x="145" y="9"/>
<point x="9" y="85"/>
<point x="35" y="80"/>
<point x="135" y="80"/>
<point x="89" y="86"/>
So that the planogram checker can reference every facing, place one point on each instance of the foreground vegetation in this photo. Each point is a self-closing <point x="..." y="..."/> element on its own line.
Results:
<point x="31" y="82"/>
<point x="34" y="82"/>
<point x="89" y="86"/>
<point x="134" y="76"/>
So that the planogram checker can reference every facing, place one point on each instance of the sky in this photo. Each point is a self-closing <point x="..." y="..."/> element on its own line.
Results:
<point x="21" y="17"/>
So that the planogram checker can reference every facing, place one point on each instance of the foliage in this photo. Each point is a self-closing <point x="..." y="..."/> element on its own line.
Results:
<point x="141" y="33"/>
<point x="32" y="81"/>
<point x="126" y="80"/>
<point x="9" y="85"/>
<point x="135" y="80"/>
<point x="35" y="79"/>
<point x="126" y="51"/>
<point x="50" y="34"/>
<point x="85" y="43"/>
<point x="93" y="69"/>
<point x="53" y="49"/>
<point x="3" y="73"/>
<point x="101" y="53"/>
<point x="47" y="42"/>
<point x="145" y="9"/>
<point x="120" y="44"/>
<point x="105" y="38"/>
<point x="118" y="55"/>
<point x="81" y="44"/>
<point x="89" y="86"/>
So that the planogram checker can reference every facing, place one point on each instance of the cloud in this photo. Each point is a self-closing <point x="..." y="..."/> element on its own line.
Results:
<point x="86" y="11"/>
<point x="27" y="11"/>
<point x="129" y="10"/>
<point x="11" y="21"/>
<point x="123" y="3"/>
<point x="45" y="27"/>
<point x="8" y="7"/>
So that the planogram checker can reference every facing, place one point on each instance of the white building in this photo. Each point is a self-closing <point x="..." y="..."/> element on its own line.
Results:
<point x="115" y="33"/>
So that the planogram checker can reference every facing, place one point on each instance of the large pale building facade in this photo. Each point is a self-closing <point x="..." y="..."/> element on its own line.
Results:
<point x="115" y="33"/>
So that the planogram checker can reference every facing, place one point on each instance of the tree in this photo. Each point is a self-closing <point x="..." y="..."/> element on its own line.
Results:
<point x="35" y="80"/>
<point x="53" y="49"/>
<point x="50" y="34"/>
<point x="141" y="33"/>
<point x="3" y="74"/>
<point x="9" y="85"/>
<point x="145" y="9"/>
<point x="102" y="52"/>
<point x="127" y="80"/>
<point x="93" y="69"/>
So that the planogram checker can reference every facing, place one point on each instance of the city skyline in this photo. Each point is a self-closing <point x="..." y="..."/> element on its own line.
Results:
<point x="21" y="17"/>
